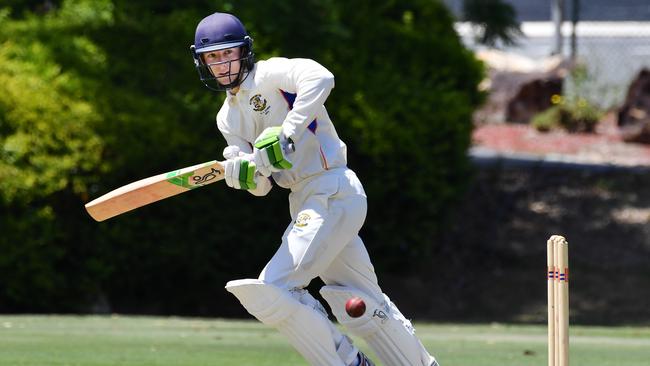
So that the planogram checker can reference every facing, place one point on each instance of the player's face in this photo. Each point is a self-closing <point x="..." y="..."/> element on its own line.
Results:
<point x="224" y="64"/>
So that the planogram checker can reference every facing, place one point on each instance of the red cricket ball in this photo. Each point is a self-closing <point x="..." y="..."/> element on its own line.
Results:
<point x="355" y="307"/>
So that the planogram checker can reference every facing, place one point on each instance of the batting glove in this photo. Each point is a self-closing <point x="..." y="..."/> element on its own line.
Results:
<point x="271" y="150"/>
<point x="239" y="169"/>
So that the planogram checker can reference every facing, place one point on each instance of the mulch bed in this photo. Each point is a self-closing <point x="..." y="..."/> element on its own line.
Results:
<point x="605" y="146"/>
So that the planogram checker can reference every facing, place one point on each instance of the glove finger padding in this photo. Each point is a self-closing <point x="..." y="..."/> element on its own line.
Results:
<point x="273" y="148"/>
<point x="229" y="167"/>
<point x="247" y="174"/>
<point x="262" y="162"/>
<point x="240" y="173"/>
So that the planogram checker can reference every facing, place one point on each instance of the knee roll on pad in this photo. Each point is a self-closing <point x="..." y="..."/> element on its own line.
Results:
<point x="297" y="316"/>
<point x="268" y="303"/>
<point x="382" y="326"/>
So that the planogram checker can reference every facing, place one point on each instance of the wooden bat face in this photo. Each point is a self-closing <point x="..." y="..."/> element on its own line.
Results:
<point x="152" y="189"/>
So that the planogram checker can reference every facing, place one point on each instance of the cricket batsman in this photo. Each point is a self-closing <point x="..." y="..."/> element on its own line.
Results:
<point x="278" y="132"/>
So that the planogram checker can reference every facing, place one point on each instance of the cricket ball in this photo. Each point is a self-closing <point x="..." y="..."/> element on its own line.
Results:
<point x="355" y="307"/>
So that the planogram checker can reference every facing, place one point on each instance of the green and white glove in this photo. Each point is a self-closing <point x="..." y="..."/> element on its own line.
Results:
<point x="239" y="169"/>
<point x="271" y="150"/>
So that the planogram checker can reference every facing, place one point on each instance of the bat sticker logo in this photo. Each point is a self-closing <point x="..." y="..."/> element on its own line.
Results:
<point x="202" y="179"/>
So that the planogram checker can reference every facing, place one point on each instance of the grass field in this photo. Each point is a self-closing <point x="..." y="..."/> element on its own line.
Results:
<point x="140" y="341"/>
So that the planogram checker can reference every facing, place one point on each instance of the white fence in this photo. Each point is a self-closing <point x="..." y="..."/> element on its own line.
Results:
<point x="614" y="52"/>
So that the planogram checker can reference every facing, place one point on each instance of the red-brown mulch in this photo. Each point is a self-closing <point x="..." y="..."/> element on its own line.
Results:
<point x="605" y="146"/>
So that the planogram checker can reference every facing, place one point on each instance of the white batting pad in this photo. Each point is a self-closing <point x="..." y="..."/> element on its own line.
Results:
<point x="308" y="330"/>
<point x="382" y="326"/>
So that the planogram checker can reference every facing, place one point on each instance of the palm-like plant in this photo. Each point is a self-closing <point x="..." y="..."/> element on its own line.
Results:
<point x="496" y="19"/>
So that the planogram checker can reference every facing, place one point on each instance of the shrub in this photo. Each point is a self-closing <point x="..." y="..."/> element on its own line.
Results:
<point x="572" y="112"/>
<point x="85" y="114"/>
<point x="574" y="116"/>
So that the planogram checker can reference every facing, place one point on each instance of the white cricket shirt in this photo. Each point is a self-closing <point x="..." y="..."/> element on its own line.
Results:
<point x="290" y="93"/>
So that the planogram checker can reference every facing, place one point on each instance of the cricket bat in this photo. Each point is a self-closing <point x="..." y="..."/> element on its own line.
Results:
<point x="152" y="189"/>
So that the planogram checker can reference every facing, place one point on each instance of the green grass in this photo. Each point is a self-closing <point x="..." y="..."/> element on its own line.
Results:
<point x="140" y="341"/>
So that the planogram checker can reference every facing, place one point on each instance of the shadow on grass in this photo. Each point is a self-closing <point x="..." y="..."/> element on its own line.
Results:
<point x="492" y="264"/>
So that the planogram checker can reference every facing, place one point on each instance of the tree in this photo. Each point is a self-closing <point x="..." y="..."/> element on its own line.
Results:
<point x="497" y="21"/>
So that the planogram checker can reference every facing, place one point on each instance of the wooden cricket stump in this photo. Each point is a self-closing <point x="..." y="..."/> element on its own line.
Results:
<point x="557" y="257"/>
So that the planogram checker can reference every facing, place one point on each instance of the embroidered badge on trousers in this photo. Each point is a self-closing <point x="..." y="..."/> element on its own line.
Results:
<point x="302" y="220"/>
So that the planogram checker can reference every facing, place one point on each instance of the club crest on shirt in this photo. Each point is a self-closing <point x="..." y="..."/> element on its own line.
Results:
<point x="302" y="220"/>
<point x="259" y="104"/>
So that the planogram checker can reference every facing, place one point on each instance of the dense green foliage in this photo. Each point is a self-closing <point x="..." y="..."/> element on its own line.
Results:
<point x="96" y="94"/>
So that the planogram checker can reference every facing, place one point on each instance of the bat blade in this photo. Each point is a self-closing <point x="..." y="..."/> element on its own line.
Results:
<point x="155" y="188"/>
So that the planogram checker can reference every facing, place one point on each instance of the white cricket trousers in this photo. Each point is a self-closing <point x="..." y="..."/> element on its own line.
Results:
<point x="327" y="212"/>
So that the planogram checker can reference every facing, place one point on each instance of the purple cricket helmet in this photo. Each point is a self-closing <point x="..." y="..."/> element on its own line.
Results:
<point x="216" y="32"/>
